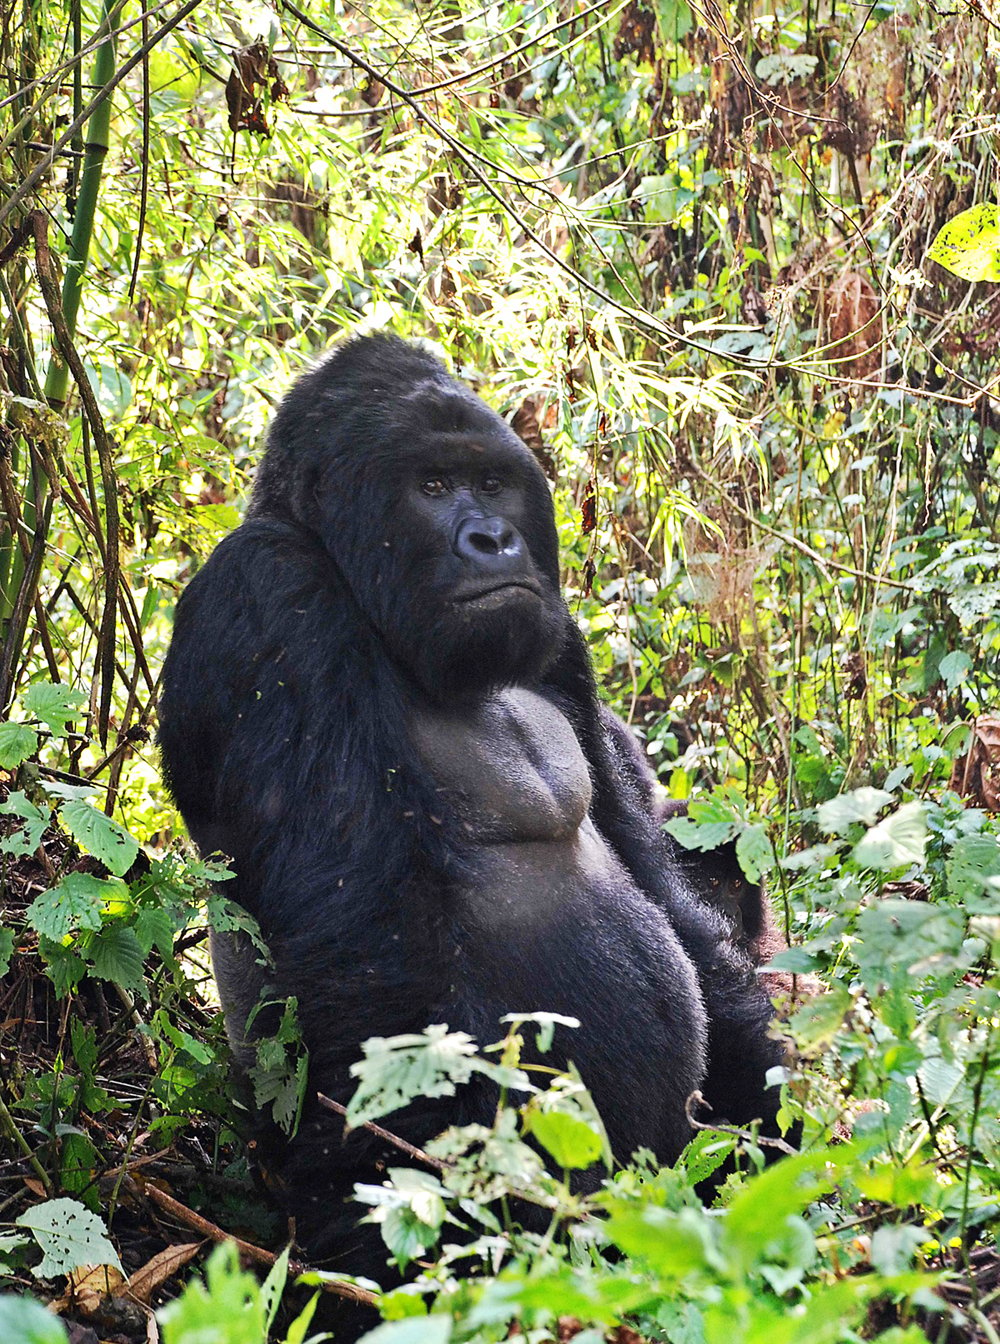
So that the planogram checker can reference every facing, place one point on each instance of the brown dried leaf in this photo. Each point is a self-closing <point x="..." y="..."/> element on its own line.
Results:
<point x="155" y="1272"/>
<point x="976" y="775"/>
<point x="87" y="1286"/>
<point x="851" y="310"/>
<point x="253" y="66"/>
<point x="526" y="423"/>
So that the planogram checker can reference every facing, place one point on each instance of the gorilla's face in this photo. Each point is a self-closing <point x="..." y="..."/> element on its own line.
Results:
<point x="444" y="530"/>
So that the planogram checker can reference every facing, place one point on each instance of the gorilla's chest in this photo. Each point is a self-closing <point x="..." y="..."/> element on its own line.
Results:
<point x="510" y="768"/>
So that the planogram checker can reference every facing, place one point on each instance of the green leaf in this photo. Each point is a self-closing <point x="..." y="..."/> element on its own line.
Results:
<point x="673" y="1244"/>
<point x="662" y="197"/>
<point x="701" y="835"/>
<point x="62" y="965"/>
<point x="893" y="1248"/>
<point x="75" y="902"/>
<point x="753" y="849"/>
<point x="795" y="960"/>
<point x="59" y="788"/>
<point x="758" y="1211"/>
<point x="409" y="1210"/>
<point x="54" y="705"/>
<point x="227" y="1309"/>
<point x="568" y="1138"/>
<point x="69" y="1236"/>
<point x="412" y="1330"/>
<point x="78" y="1161"/>
<point x="6" y="949"/>
<point x="676" y="20"/>
<point x="897" y="936"/>
<point x="974" y="859"/>
<point x="17" y="743"/>
<point x="101" y="836"/>
<point x="842" y="812"/>
<point x="954" y="668"/>
<point x="396" y="1069"/>
<point x="117" y="955"/>
<point x="969" y="244"/>
<point x="896" y="842"/>
<point x="273" y="1286"/>
<point x="155" y="928"/>
<point x="25" y="1321"/>
<point x="819" y="1019"/>
<point x="27" y="838"/>
<point x="784" y="66"/>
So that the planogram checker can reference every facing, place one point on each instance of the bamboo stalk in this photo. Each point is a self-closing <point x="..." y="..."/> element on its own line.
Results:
<point x="95" y="151"/>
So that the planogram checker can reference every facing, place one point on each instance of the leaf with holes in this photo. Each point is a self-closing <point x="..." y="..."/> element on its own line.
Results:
<point x="26" y="838"/>
<point x="101" y="836"/>
<point x="75" y="902"/>
<point x="69" y="1236"/>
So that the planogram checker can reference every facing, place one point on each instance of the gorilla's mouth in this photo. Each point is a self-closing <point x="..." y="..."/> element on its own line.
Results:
<point x="497" y="592"/>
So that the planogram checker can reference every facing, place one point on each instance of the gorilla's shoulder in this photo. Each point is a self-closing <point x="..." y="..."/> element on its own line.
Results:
<point x="265" y="563"/>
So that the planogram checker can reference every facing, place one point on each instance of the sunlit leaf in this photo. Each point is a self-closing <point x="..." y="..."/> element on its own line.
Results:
<point x="969" y="244"/>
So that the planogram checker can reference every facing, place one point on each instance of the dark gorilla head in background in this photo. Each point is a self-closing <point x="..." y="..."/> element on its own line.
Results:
<point x="436" y="515"/>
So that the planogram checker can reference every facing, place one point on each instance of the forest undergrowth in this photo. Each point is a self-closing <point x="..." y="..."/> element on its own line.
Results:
<point x="733" y="274"/>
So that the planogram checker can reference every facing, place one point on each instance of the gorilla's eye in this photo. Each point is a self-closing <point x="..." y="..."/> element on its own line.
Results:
<point x="491" y="485"/>
<point x="435" y="486"/>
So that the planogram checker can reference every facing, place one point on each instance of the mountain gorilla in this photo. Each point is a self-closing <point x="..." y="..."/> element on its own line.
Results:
<point x="377" y="703"/>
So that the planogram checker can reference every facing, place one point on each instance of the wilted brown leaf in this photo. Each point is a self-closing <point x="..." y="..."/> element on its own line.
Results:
<point x="87" y="1286"/>
<point x="976" y="775"/>
<point x="155" y="1272"/>
<point x="850" y="312"/>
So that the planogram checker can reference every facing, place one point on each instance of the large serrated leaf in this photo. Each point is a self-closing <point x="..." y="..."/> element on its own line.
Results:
<point x="969" y="244"/>
<point x="117" y="955"/>
<point x="396" y="1069"/>
<point x="54" y="705"/>
<point x="69" y="1236"/>
<point x="75" y="902"/>
<point x="568" y="1138"/>
<point x="17" y="743"/>
<point x="101" y="836"/>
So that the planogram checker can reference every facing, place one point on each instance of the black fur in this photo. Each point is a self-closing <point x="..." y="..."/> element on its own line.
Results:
<point x="304" y="653"/>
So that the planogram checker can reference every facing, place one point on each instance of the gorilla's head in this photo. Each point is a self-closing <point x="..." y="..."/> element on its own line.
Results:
<point x="436" y="514"/>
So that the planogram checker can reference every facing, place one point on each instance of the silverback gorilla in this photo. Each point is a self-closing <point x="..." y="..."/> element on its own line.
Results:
<point x="377" y="703"/>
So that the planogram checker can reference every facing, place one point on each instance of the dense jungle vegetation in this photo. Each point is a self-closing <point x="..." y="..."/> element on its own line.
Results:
<point x="694" y="254"/>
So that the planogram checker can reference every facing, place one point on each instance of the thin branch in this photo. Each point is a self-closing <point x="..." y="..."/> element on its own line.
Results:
<point x="340" y="1288"/>
<point x="417" y="1154"/>
<point x="787" y="539"/>
<point x="746" y="1135"/>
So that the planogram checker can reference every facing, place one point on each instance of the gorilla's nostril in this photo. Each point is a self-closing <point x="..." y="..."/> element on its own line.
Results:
<point x="485" y="537"/>
<point x="490" y="540"/>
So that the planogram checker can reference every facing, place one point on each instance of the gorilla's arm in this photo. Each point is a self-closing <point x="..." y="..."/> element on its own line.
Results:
<point x="740" y="1048"/>
<point x="285" y="749"/>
